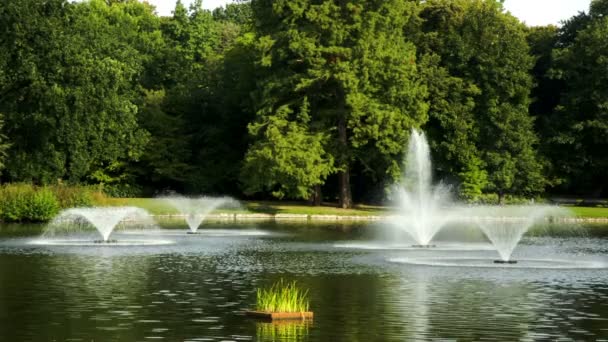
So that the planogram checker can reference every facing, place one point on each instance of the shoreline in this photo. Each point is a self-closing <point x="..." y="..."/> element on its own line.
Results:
<point x="360" y="218"/>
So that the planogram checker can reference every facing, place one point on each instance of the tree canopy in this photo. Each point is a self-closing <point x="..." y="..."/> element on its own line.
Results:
<point x="301" y="99"/>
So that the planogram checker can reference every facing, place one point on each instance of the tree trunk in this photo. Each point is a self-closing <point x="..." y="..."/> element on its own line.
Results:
<point x="346" y="200"/>
<point x="501" y="198"/>
<point x="316" y="197"/>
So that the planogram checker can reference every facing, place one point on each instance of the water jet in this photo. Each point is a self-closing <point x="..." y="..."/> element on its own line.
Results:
<point x="422" y="206"/>
<point x="196" y="209"/>
<point x="104" y="219"/>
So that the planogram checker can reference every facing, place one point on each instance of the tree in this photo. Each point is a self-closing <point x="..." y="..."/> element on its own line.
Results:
<point x="164" y="161"/>
<point x="580" y="122"/>
<point x="69" y="104"/>
<point x="486" y="58"/>
<point x="4" y="145"/>
<point x="286" y="159"/>
<point x="356" y="70"/>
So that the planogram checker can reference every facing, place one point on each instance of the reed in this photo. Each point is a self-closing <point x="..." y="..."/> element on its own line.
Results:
<point x="282" y="297"/>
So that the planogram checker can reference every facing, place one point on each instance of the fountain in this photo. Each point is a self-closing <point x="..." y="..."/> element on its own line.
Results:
<point x="422" y="205"/>
<point x="104" y="219"/>
<point x="196" y="209"/>
<point x="505" y="226"/>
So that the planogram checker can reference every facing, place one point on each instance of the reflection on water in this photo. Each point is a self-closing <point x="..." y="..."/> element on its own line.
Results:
<point x="197" y="288"/>
<point x="283" y="331"/>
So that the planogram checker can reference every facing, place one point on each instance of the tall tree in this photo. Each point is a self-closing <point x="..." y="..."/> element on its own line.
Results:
<point x="356" y="70"/>
<point x="69" y="104"/>
<point x="485" y="51"/>
<point x="580" y="122"/>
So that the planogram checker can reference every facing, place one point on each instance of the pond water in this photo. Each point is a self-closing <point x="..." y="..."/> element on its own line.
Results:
<point x="196" y="288"/>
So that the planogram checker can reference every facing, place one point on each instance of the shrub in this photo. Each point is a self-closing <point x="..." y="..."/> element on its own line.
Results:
<point x="25" y="202"/>
<point x="122" y="190"/>
<point x="492" y="199"/>
<point x="74" y="196"/>
<point x="42" y="205"/>
<point x="14" y="201"/>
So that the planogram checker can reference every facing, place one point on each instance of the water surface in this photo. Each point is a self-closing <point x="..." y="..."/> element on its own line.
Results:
<point x="197" y="288"/>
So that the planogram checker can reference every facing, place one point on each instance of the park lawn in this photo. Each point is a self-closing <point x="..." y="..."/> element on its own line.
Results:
<point x="589" y="212"/>
<point x="159" y="207"/>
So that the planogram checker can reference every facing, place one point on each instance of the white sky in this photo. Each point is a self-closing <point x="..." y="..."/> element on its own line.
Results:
<point x="532" y="12"/>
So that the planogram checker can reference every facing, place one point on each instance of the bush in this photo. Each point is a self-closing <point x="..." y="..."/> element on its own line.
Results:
<point x="42" y="205"/>
<point x="122" y="190"/>
<point x="14" y="201"/>
<point x="25" y="202"/>
<point x="492" y="199"/>
<point x="74" y="196"/>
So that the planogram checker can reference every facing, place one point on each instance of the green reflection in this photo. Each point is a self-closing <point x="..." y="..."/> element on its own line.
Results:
<point x="283" y="331"/>
<point x="432" y="306"/>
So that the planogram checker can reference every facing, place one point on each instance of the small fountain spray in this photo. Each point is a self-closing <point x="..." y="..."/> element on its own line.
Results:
<point x="196" y="209"/>
<point x="422" y="205"/>
<point x="105" y="220"/>
<point x="505" y="226"/>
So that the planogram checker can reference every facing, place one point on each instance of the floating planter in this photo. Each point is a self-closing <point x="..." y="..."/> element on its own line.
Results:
<point x="282" y="301"/>
<point x="505" y="261"/>
<point x="280" y="315"/>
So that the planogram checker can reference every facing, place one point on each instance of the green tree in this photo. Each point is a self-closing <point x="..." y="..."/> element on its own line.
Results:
<point x="164" y="161"/>
<point x="354" y="66"/>
<point x="207" y="72"/>
<point x="4" y="145"/>
<point x="69" y="104"/>
<point x="580" y="122"/>
<point x="286" y="159"/>
<point x="491" y="139"/>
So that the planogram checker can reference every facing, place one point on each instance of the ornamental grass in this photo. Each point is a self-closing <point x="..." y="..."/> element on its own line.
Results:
<point x="282" y="297"/>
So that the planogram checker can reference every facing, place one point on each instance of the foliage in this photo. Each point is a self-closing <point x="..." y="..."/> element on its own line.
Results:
<point x="579" y="125"/>
<point x="288" y="98"/>
<point x="41" y="206"/>
<point x="23" y="202"/>
<point x="4" y="145"/>
<point x="68" y="104"/>
<point x="479" y="62"/>
<point x="75" y="196"/>
<point x="358" y="75"/>
<point x="287" y="159"/>
<point x="282" y="297"/>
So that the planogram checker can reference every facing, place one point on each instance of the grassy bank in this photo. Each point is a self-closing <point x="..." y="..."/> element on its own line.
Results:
<point x="158" y="207"/>
<point x="589" y="212"/>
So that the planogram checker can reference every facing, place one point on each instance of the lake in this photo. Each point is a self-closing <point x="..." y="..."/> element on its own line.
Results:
<point x="196" y="287"/>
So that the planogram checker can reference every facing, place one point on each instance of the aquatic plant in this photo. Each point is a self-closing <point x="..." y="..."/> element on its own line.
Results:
<point x="282" y="297"/>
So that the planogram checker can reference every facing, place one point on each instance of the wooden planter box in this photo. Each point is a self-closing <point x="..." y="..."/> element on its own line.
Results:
<point x="280" y="315"/>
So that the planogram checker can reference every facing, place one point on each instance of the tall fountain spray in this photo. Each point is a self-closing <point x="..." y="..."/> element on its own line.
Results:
<point x="422" y="204"/>
<point x="196" y="209"/>
<point x="105" y="220"/>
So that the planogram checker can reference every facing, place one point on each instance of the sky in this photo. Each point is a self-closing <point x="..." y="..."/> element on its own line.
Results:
<point x="532" y="12"/>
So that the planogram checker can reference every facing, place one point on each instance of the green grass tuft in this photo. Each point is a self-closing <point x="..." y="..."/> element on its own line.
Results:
<point x="282" y="297"/>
